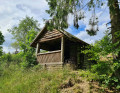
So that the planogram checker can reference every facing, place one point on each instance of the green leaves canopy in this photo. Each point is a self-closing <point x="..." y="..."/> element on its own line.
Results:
<point x="24" y="33"/>
<point x="19" y="32"/>
<point x="29" y="58"/>
<point x="101" y="48"/>
<point x="60" y="9"/>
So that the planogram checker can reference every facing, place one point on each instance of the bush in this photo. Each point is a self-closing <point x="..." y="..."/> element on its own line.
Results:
<point x="17" y="58"/>
<point x="29" y="60"/>
<point x="101" y="68"/>
<point x="6" y="58"/>
<point x="24" y="60"/>
<point x="12" y="58"/>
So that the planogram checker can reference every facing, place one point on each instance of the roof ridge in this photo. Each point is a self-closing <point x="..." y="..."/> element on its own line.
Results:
<point x="69" y="35"/>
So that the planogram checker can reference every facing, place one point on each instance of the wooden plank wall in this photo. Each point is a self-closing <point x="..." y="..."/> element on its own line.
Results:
<point x="50" y="35"/>
<point x="49" y="57"/>
<point x="73" y="53"/>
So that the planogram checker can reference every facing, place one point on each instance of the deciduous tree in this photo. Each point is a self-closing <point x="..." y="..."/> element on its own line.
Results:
<point x="20" y="31"/>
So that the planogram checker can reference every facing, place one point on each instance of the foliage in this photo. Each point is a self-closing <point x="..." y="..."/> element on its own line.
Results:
<point x="24" y="58"/>
<point x="1" y="38"/>
<point x="15" y="45"/>
<point x="59" y="10"/>
<point x="29" y="58"/>
<point x="102" y="68"/>
<point x="89" y="75"/>
<point x="24" y="34"/>
<point x="101" y="48"/>
<point x="107" y="67"/>
<point x="25" y="25"/>
<point x="28" y="39"/>
<point x="8" y="58"/>
<point x="1" y="42"/>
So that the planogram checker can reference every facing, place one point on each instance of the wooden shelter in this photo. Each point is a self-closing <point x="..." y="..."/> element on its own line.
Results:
<point x="63" y="48"/>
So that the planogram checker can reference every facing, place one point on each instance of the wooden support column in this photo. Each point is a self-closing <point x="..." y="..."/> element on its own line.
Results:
<point x="62" y="49"/>
<point x="37" y="49"/>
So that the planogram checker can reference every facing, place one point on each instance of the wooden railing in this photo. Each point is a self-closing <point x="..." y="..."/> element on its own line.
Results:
<point x="49" y="57"/>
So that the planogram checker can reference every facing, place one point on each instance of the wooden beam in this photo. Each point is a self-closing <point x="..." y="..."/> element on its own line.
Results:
<point x="37" y="48"/>
<point x="49" y="39"/>
<point x="49" y="52"/>
<point x="53" y="63"/>
<point x="62" y="49"/>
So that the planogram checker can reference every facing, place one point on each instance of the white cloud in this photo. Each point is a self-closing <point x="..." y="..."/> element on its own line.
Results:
<point x="103" y="18"/>
<point x="8" y="49"/>
<point x="91" y="39"/>
<point x="12" y="11"/>
<point x="70" y="19"/>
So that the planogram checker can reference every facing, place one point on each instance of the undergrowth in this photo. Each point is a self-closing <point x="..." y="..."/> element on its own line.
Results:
<point x="33" y="80"/>
<point x="13" y="79"/>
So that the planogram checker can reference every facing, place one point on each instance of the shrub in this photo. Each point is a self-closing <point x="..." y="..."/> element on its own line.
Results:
<point x="101" y="68"/>
<point x="12" y="58"/>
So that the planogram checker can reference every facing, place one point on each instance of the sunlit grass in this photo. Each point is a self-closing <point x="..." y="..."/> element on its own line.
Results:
<point x="37" y="80"/>
<point x="16" y="80"/>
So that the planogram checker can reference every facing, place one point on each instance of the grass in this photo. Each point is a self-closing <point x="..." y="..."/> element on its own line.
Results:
<point x="15" y="80"/>
<point x="37" y="80"/>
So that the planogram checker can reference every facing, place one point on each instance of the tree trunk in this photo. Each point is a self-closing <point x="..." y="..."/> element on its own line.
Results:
<point x="115" y="29"/>
<point x="115" y="21"/>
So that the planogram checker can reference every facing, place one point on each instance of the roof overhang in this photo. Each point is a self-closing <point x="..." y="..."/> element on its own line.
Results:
<point x="65" y="33"/>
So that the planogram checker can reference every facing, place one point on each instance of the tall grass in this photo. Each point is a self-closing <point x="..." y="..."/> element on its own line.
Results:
<point x="33" y="80"/>
<point x="13" y="79"/>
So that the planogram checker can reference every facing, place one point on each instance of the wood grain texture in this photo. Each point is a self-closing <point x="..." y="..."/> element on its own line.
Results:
<point x="50" y="35"/>
<point x="49" y="52"/>
<point x="62" y="49"/>
<point x="49" y="57"/>
<point x="37" y="48"/>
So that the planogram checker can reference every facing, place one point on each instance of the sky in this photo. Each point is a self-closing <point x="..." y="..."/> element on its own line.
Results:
<point x="11" y="11"/>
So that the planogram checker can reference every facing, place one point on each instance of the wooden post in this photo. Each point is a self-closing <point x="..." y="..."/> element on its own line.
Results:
<point x="62" y="49"/>
<point x="37" y="49"/>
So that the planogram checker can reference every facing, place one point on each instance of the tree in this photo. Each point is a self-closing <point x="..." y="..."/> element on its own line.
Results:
<point x="101" y="48"/>
<point x="105" y="67"/>
<point x="28" y="39"/>
<point x="60" y="9"/>
<point x="15" y="45"/>
<point x="1" y="42"/>
<point x="29" y="58"/>
<point x="19" y="32"/>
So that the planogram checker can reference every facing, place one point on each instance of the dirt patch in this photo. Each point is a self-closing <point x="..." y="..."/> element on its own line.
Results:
<point x="79" y="84"/>
<point x="95" y="88"/>
<point x="67" y="84"/>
